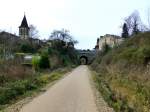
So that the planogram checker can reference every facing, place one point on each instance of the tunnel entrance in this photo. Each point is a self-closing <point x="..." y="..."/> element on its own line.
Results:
<point x="83" y="60"/>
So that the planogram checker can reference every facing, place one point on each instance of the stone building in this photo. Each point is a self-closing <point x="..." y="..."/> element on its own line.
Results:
<point x="110" y="40"/>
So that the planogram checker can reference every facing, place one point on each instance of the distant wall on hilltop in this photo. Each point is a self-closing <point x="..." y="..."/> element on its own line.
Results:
<point x="111" y="40"/>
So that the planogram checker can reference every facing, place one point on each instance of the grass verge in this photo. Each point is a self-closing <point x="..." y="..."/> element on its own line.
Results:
<point x="13" y="91"/>
<point x="117" y="101"/>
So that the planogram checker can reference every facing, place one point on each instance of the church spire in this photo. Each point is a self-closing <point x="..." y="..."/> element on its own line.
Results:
<point x="24" y="28"/>
<point x="24" y="22"/>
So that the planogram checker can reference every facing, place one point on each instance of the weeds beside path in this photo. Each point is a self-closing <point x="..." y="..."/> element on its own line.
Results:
<point x="100" y="99"/>
<point x="12" y="93"/>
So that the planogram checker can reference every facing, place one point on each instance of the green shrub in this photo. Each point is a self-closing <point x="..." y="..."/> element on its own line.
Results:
<point x="3" y="79"/>
<point x="11" y="91"/>
<point x="65" y="60"/>
<point x="17" y="88"/>
<point x="36" y="62"/>
<point x="40" y="81"/>
<point x="6" y="94"/>
<point x="41" y="62"/>
<point x="26" y="48"/>
<point x="44" y="61"/>
<point x="51" y="51"/>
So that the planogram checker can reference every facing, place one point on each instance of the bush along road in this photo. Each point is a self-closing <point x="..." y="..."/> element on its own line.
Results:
<point x="15" y="90"/>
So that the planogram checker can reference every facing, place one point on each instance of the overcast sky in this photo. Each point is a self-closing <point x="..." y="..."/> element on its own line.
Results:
<point x="85" y="19"/>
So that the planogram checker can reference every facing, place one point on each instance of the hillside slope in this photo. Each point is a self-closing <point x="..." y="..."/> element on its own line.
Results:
<point x="123" y="74"/>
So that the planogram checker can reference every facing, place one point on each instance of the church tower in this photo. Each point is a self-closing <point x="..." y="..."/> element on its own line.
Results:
<point x="24" y="29"/>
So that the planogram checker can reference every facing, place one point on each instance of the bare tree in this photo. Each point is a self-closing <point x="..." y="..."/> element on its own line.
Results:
<point x="128" y="21"/>
<point x="34" y="33"/>
<point x="133" y="22"/>
<point x="62" y="35"/>
<point x="148" y="18"/>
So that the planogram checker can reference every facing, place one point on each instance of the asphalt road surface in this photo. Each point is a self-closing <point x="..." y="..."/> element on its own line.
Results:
<point x="71" y="94"/>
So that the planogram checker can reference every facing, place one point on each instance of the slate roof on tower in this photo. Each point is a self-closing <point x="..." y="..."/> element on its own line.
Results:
<point x="24" y="23"/>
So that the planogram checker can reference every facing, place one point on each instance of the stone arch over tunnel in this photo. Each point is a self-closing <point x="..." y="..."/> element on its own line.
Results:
<point x="83" y="60"/>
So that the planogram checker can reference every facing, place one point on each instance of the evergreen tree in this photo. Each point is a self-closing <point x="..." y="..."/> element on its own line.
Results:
<point x="125" y="33"/>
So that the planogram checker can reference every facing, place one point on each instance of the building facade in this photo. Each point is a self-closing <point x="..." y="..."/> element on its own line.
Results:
<point x="110" y="40"/>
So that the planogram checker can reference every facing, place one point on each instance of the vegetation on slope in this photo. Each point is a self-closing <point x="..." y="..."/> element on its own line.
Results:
<point x="123" y="74"/>
<point x="12" y="89"/>
<point x="20" y="76"/>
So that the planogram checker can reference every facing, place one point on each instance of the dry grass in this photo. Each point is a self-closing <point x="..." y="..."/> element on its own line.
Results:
<point x="19" y="71"/>
<point x="14" y="69"/>
<point x="133" y="87"/>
